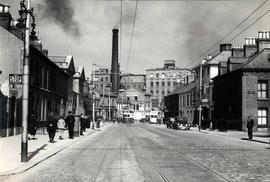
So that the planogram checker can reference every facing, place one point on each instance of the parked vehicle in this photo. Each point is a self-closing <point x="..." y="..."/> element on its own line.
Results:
<point x="128" y="118"/>
<point x="143" y="120"/>
<point x="169" y="121"/>
<point x="181" y="123"/>
<point x="155" y="117"/>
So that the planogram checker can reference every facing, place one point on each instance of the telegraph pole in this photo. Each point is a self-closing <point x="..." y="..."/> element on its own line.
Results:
<point x="93" y="104"/>
<point x="200" y="98"/>
<point x="200" y="94"/>
<point x="103" y="103"/>
<point x="25" y="97"/>
<point x="109" y="105"/>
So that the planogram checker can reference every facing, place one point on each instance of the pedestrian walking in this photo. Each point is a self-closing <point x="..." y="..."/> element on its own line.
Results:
<point x="87" y="122"/>
<point x="98" y="119"/>
<point x="70" y="123"/>
<point x="32" y="125"/>
<point x="82" y="122"/>
<point x="51" y="126"/>
<point x="250" y="124"/>
<point x="61" y="124"/>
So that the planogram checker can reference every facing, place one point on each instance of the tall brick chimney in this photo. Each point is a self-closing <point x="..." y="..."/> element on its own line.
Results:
<point x="5" y="16"/>
<point x="250" y="46"/>
<point x="115" y="64"/>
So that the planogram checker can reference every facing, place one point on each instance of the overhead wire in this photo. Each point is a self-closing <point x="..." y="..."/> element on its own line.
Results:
<point x="237" y="26"/>
<point x="121" y="30"/>
<point x="132" y="33"/>
<point x="195" y="61"/>
<point x="250" y="25"/>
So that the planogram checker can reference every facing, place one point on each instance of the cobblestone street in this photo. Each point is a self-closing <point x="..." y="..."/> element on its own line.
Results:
<point x="143" y="152"/>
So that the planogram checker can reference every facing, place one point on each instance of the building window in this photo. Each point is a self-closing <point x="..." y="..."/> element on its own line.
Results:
<point x="262" y="89"/>
<point x="169" y="83"/>
<point x="157" y="84"/>
<point x="151" y="75"/>
<point x="106" y="78"/>
<point x="43" y="78"/>
<point x="136" y="98"/>
<point x="101" y="79"/>
<point x="47" y="80"/>
<point x="157" y="92"/>
<point x="157" y="75"/>
<point x="192" y="98"/>
<point x="163" y="83"/>
<point x="128" y="98"/>
<point x="163" y="75"/>
<point x="151" y="84"/>
<point x="168" y="91"/>
<point x="163" y="92"/>
<point x="262" y="116"/>
<point x="151" y="92"/>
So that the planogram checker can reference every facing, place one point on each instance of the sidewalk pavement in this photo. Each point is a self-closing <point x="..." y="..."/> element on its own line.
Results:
<point x="39" y="150"/>
<point x="239" y="135"/>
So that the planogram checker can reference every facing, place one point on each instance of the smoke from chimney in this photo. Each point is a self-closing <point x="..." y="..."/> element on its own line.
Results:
<point x="62" y="12"/>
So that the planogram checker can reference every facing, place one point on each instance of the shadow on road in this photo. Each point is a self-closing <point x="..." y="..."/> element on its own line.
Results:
<point x="32" y="154"/>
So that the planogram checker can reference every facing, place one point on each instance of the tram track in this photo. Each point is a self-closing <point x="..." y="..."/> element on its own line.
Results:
<point x="147" y="156"/>
<point x="182" y="154"/>
<point x="106" y="149"/>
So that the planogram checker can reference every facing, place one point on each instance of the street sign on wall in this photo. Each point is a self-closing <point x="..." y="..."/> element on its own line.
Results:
<point x="15" y="79"/>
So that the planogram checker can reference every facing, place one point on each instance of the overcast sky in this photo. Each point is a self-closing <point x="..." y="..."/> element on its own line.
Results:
<point x="179" y="30"/>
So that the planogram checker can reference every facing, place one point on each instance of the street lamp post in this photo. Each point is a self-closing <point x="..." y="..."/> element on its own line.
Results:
<point x="109" y="86"/>
<point x="25" y="99"/>
<point x="121" y="91"/>
<point x="103" y="112"/>
<point x="200" y="94"/>
<point x="93" y="98"/>
<point x="109" y="105"/>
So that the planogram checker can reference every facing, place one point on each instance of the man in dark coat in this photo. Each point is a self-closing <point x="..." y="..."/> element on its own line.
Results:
<point x="32" y="125"/>
<point x="51" y="126"/>
<point x="82" y="121"/>
<point x="70" y="120"/>
<point x="250" y="124"/>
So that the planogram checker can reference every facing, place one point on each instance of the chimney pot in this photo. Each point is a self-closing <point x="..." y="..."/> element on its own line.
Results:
<point x="246" y="41"/>
<point x="260" y="34"/>
<point x="6" y="9"/>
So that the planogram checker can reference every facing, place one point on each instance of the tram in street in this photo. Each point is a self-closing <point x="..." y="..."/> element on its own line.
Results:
<point x="155" y="117"/>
